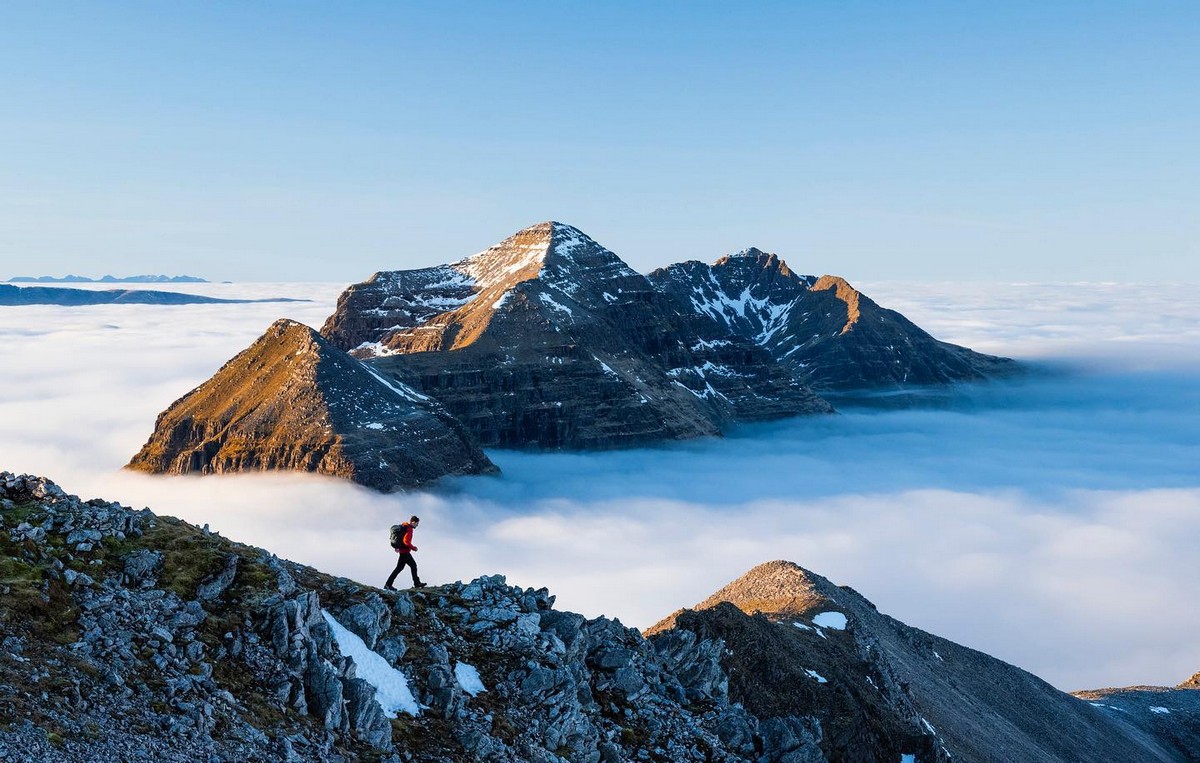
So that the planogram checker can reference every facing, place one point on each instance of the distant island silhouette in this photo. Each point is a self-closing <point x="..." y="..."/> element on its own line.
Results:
<point x="58" y="295"/>
<point x="108" y="279"/>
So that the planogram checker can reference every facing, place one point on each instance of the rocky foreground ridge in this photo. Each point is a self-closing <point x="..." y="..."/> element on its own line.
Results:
<point x="134" y="637"/>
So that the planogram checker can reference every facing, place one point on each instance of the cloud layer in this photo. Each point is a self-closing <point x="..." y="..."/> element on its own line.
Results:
<point x="1050" y="521"/>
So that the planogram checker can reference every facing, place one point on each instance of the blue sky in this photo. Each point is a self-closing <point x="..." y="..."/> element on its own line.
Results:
<point x="321" y="141"/>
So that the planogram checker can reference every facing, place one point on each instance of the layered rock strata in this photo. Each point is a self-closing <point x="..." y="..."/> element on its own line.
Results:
<point x="549" y="340"/>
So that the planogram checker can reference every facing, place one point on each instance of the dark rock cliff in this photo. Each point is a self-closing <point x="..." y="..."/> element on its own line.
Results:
<point x="293" y="401"/>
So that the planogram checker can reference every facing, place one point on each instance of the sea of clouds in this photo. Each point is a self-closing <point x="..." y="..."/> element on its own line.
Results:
<point x="1051" y="521"/>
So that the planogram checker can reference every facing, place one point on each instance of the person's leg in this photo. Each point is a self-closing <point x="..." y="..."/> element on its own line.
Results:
<point x="412" y="562"/>
<point x="399" y="566"/>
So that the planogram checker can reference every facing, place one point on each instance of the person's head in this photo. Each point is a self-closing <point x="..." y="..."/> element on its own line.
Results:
<point x="414" y="520"/>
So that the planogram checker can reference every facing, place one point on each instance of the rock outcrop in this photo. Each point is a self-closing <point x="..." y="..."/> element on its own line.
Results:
<point x="805" y="653"/>
<point x="127" y="637"/>
<point x="293" y="401"/>
<point x="135" y="637"/>
<point x="830" y="335"/>
<point x="549" y="340"/>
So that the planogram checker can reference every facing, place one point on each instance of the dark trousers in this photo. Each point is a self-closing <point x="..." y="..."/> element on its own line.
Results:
<point x="405" y="560"/>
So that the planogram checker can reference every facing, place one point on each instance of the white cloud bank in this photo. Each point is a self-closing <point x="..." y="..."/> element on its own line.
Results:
<point x="1051" y="522"/>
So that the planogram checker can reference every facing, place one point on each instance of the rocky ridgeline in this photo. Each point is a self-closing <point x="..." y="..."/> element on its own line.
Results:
<point x="825" y="332"/>
<point x="129" y="636"/>
<point x="812" y="654"/>
<point x="134" y="637"/>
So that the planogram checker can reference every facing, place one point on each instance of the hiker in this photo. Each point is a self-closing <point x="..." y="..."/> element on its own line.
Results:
<point x="402" y="544"/>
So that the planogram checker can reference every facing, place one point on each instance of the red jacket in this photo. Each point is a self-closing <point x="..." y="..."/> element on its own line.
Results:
<point x="406" y="539"/>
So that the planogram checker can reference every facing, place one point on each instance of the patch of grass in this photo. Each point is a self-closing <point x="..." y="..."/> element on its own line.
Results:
<point x="262" y="713"/>
<point x="14" y="570"/>
<point x="35" y="603"/>
<point x="189" y="555"/>
<point x="502" y="727"/>
<point x="22" y="512"/>
<point x="633" y="737"/>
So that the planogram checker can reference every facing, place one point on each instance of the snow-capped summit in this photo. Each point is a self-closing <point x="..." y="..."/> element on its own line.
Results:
<point x="547" y="250"/>
<point x="376" y="317"/>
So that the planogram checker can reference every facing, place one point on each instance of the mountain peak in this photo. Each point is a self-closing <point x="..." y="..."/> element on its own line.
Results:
<point x="525" y="255"/>
<point x="752" y="253"/>
<point x="755" y="262"/>
<point x="286" y="328"/>
<point x="779" y="587"/>
<point x="844" y="292"/>
<point x="292" y="400"/>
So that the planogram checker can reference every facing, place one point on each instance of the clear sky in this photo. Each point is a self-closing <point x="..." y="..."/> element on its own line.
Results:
<point x="318" y="140"/>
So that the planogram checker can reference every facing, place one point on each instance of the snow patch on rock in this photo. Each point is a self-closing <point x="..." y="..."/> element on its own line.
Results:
<point x="391" y="687"/>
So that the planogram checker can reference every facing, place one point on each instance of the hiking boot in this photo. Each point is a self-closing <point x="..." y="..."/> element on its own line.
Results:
<point x="419" y="584"/>
<point x="389" y="588"/>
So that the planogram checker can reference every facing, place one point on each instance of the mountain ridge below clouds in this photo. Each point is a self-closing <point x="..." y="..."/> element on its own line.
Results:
<point x="549" y="341"/>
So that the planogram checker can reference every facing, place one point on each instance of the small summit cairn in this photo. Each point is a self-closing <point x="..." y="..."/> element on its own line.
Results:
<point x="293" y="401"/>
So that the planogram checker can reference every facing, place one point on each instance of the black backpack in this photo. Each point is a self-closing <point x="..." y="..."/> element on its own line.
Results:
<point x="397" y="536"/>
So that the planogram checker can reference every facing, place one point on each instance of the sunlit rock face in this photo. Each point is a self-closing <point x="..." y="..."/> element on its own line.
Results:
<point x="817" y="663"/>
<point x="828" y="334"/>
<point x="549" y="340"/>
<point x="293" y="401"/>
